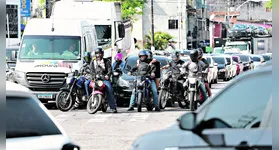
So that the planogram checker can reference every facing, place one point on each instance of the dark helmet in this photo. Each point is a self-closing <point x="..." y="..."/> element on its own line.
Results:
<point x="149" y="55"/>
<point x="200" y="53"/>
<point x="87" y="57"/>
<point x="194" y="55"/>
<point x="175" y="56"/>
<point x="143" y="53"/>
<point x="99" y="52"/>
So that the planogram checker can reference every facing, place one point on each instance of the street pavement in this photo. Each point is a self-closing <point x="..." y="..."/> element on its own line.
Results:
<point x="107" y="131"/>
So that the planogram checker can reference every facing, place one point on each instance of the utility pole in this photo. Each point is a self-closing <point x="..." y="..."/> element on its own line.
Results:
<point x="228" y="12"/>
<point x="179" y="24"/>
<point x="186" y="25"/>
<point x="152" y="26"/>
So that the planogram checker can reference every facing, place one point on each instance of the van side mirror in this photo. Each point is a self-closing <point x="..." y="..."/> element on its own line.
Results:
<point x="187" y="121"/>
<point x="121" y="30"/>
<point x="14" y="55"/>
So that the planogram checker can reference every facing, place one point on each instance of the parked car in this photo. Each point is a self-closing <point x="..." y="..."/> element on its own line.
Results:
<point x="232" y="65"/>
<point x="223" y="68"/>
<point x="239" y="31"/>
<point x="267" y="57"/>
<point x="246" y="61"/>
<point x="239" y="64"/>
<point x="30" y="125"/>
<point x="258" y="60"/>
<point x="126" y="82"/>
<point x="213" y="70"/>
<point x="235" y="118"/>
<point x="261" y="31"/>
<point x="11" y="56"/>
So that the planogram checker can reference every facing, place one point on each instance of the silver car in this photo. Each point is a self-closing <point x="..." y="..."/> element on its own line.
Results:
<point x="29" y="125"/>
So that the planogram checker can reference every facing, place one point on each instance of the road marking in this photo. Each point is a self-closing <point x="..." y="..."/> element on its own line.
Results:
<point x="100" y="118"/>
<point x="139" y="117"/>
<point x="62" y="116"/>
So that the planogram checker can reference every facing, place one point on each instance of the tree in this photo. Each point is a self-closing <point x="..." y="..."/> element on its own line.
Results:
<point x="161" y="40"/>
<point x="268" y="4"/>
<point x="130" y="8"/>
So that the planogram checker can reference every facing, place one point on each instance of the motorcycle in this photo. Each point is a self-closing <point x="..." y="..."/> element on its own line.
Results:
<point x="75" y="89"/>
<point x="98" y="98"/>
<point x="170" y="93"/>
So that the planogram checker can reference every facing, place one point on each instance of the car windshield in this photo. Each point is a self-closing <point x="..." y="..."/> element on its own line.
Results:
<point x="228" y="60"/>
<point x="242" y="47"/>
<point x="239" y="26"/>
<point x="27" y="121"/>
<point x="258" y="59"/>
<point x="103" y="34"/>
<point x="244" y="58"/>
<point x="9" y="53"/>
<point x="50" y="47"/>
<point x="266" y="58"/>
<point x="219" y="60"/>
<point x="208" y="60"/>
<point x="235" y="59"/>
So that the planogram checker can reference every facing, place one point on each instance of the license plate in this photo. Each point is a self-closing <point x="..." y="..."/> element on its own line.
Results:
<point x="45" y="96"/>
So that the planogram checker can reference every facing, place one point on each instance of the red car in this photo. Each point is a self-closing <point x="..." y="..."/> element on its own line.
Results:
<point x="239" y="64"/>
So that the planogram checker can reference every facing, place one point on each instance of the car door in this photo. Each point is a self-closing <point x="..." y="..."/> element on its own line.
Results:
<point x="240" y="109"/>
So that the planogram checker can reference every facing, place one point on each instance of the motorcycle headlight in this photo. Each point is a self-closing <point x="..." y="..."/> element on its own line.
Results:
<point x="100" y="83"/>
<point x="115" y="73"/>
<point x="123" y="83"/>
<point x="19" y="74"/>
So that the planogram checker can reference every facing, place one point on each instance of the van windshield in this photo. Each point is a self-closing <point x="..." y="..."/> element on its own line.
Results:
<point x="50" y="47"/>
<point x="242" y="47"/>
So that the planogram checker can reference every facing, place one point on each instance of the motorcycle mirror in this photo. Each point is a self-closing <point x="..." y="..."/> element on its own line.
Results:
<point x="76" y="73"/>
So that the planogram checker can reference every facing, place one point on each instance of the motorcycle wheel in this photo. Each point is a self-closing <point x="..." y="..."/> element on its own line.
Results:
<point x="162" y="99"/>
<point x="96" y="101"/>
<point x="104" y="106"/>
<point x="192" y="102"/>
<point x="61" y="98"/>
<point x="139" y="101"/>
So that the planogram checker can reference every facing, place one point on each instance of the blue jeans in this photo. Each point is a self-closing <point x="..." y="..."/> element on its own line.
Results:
<point x="110" y="96"/>
<point x="86" y="84"/>
<point x="154" y="92"/>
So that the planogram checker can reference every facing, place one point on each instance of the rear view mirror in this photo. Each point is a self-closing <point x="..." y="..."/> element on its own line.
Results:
<point x="187" y="121"/>
<point x="76" y="73"/>
<point x="121" y="30"/>
<point x="70" y="146"/>
<point x="14" y="55"/>
<point x="211" y="66"/>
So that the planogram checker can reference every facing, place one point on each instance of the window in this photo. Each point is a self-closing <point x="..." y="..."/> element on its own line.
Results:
<point x="241" y="105"/>
<point x="12" y="12"/>
<point x="219" y="60"/>
<point x="27" y="121"/>
<point x="173" y="24"/>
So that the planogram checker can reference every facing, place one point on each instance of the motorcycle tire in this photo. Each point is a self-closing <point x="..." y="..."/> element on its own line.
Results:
<point x="192" y="102"/>
<point x="104" y="106"/>
<point x="139" y="101"/>
<point x="59" y="99"/>
<point x="98" y="99"/>
<point x="162" y="99"/>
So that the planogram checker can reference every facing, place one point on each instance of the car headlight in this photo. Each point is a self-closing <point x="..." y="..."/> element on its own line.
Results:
<point x="123" y="83"/>
<point x="222" y="70"/>
<point x="19" y="74"/>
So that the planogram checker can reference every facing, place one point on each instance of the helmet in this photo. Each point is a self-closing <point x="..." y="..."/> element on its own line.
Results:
<point x="194" y="54"/>
<point x="87" y="57"/>
<point x="200" y="53"/>
<point x="99" y="52"/>
<point x="143" y="53"/>
<point x="149" y="55"/>
<point x="118" y="57"/>
<point x="175" y="56"/>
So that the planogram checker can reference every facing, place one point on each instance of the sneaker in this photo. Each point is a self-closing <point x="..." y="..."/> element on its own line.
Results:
<point x="157" y="109"/>
<point x="114" y="110"/>
<point x="130" y="109"/>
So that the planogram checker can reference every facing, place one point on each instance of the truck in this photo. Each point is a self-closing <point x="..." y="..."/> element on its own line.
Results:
<point x="108" y="23"/>
<point x="254" y="45"/>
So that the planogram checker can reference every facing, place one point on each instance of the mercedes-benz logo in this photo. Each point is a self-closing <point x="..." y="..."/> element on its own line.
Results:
<point x="45" y="78"/>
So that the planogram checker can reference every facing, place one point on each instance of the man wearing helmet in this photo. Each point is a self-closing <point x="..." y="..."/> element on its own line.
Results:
<point x="118" y="62"/>
<point x="103" y="66"/>
<point x="140" y="66"/>
<point x="196" y="65"/>
<point x="205" y="70"/>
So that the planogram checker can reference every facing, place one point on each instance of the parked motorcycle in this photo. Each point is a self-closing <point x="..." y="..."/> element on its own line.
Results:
<point x="98" y="98"/>
<point x="170" y="92"/>
<point x="75" y="89"/>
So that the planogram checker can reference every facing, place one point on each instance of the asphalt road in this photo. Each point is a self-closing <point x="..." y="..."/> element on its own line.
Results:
<point x="107" y="131"/>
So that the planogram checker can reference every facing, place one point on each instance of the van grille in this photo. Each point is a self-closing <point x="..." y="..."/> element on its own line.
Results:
<point x="51" y="79"/>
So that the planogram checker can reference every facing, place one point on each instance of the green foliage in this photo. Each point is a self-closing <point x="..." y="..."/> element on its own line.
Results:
<point x="268" y="4"/>
<point x="130" y="8"/>
<point x="161" y="40"/>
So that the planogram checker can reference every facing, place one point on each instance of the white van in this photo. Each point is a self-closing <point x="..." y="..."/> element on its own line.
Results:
<point x="51" y="49"/>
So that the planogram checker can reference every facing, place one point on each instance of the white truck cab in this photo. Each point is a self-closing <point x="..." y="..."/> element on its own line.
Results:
<point x="50" y="51"/>
<point x="244" y="47"/>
